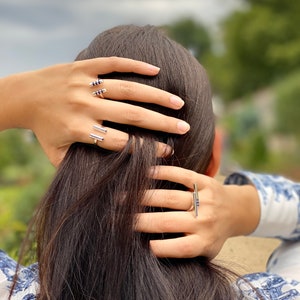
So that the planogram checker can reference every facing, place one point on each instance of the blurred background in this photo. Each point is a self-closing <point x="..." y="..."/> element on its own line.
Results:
<point x="250" y="48"/>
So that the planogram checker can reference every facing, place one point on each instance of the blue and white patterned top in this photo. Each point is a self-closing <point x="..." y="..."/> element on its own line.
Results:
<point x="280" y="217"/>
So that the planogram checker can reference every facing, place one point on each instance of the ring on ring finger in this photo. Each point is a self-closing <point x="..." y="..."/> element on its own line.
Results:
<point x="96" y="137"/>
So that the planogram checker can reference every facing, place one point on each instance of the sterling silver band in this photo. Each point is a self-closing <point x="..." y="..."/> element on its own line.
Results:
<point x="100" y="128"/>
<point x="196" y="201"/>
<point x="96" y="82"/>
<point x="96" y="138"/>
<point x="99" y="93"/>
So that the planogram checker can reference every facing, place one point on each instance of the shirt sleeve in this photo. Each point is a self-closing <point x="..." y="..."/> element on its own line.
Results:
<point x="266" y="286"/>
<point x="279" y="201"/>
<point x="27" y="283"/>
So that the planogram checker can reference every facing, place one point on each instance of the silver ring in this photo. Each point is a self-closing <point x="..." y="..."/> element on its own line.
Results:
<point x="99" y="93"/>
<point x="196" y="201"/>
<point x="96" y="138"/>
<point x="96" y="82"/>
<point x="100" y="128"/>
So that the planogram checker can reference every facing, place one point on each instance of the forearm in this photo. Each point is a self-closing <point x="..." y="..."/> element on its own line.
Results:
<point x="279" y="204"/>
<point x="245" y="208"/>
<point x="14" y="101"/>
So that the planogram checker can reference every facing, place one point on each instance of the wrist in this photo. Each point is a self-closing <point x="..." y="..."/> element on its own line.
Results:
<point x="246" y="208"/>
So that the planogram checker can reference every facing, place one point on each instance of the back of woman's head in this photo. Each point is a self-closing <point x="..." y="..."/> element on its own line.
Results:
<point x="87" y="246"/>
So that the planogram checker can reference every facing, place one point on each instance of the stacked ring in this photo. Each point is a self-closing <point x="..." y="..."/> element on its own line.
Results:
<point x="195" y="200"/>
<point x="97" y="138"/>
<point x="96" y="82"/>
<point x="99" y="93"/>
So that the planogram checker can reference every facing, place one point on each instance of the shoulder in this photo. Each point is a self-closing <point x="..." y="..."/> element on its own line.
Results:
<point x="27" y="282"/>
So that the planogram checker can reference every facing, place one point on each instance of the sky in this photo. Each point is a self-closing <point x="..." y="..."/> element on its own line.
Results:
<point x="38" y="33"/>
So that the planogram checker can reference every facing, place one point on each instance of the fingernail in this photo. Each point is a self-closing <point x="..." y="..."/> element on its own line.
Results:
<point x="168" y="151"/>
<point x="152" y="172"/>
<point x="176" y="101"/>
<point x="153" y="68"/>
<point x="183" y="127"/>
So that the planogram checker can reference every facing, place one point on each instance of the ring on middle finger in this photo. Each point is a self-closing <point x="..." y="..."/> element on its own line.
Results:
<point x="195" y="201"/>
<point x="96" y="82"/>
<point x="99" y="93"/>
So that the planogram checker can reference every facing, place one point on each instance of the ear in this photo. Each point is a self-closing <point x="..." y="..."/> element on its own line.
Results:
<point x="214" y="164"/>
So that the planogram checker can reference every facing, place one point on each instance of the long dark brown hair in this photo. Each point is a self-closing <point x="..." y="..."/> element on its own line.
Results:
<point x="87" y="247"/>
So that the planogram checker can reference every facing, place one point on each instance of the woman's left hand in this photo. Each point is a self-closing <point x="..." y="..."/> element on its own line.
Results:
<point x="58" y="105"/>
<point x="222" y="213"/>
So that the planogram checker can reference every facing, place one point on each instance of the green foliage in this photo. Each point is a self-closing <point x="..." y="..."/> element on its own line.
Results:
<point x="262" y="44"/>
<point x="256" y="48"/>
<point x="247" y="138"/>
<point x="25" y="174"/>
<point x="287" y="108"/>
<point x="192" y="35"/>
<point x="13" y="150"/>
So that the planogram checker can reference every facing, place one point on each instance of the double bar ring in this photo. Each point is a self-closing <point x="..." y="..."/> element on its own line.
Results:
<point x="195" y="200"/>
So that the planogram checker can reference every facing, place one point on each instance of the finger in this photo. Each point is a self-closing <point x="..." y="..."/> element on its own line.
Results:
<point x="180" y="175"/>
<point x="104" y="65"/>
<point x="182" y="247"/>
<point x="128" y="90"/>
<point x="125" y="113"/>
<point x="165" y="222"/>
<point x="173" y="199"/>
<point x="115" y="140"/>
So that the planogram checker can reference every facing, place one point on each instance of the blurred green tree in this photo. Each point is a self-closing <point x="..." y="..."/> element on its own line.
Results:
<point x="287" y="108"/>
<point x="192" y="35"/>
<point x="262" y="44"/>
<point x="25" y="173"/>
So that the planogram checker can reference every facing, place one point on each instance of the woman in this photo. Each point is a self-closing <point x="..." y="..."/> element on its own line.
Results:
<point x="86" y="243"/>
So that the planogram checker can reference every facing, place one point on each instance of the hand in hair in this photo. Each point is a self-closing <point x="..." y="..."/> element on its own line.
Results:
<point x="225" y="211"/>
<point x="57" y="104"/>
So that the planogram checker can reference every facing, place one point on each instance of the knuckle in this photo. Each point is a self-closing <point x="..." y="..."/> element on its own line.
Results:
<point x="187" y="248"/>
<point x="188" y="176"/>
<point x="133" y="115"/>
<point x="209" y="196"/>
<point x="171" y="200"/>
<point x="166" y="225"/>
<point x="210" y="218"/>
<point x="75" y="67"/>
<point x="119" y="142"/>
<point x="114" y="62"/>
<point x="126" y="89"/>
<point x="72" y="130"/>
<point x="75" y="95"/>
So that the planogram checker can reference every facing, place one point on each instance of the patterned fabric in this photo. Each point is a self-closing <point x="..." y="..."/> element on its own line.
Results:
<point x="27" y="283"/>
<point x="280" y="217"/>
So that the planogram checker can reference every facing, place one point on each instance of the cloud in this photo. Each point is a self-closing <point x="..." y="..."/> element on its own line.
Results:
<point x="38" y="33"/>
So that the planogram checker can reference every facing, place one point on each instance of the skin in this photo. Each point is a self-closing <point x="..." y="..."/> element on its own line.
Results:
<point x="57" y="104"/>
<point x="225" y="211"/>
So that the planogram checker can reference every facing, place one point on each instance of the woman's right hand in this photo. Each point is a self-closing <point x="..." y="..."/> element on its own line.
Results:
<point x="57" y="104"/>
